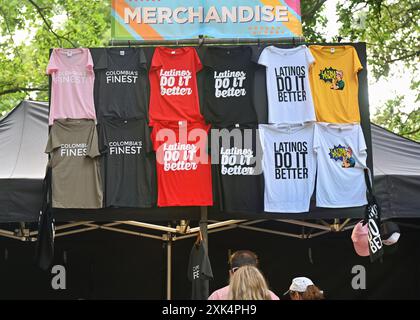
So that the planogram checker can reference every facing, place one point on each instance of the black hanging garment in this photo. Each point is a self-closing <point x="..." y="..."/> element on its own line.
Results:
<point x="373" y="219"/>
<point x="121" y="83"/>
<point x="45" y="241"/>
<point x="228" y="86"/>
<point x="128" y="163"/>
<point x="199" y="271"/>
<point x="238" y="182"/>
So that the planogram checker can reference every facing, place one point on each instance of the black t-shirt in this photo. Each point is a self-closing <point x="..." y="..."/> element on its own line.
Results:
<point x="238" y="182"/>
<point x="127" y="163"/>
<point x="228" y="86"/>
<point x="199" y="272"/>
<point x="121" y="83"/>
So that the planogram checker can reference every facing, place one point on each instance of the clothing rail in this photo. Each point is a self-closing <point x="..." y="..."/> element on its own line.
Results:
<point x="206" y="41"/>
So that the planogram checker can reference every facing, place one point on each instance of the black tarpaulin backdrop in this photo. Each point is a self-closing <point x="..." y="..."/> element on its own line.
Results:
<point x="23" y="136"/>
<point x="105" y="265"/>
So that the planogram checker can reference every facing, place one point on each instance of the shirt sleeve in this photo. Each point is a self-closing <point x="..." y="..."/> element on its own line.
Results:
<point x="93" y="147"/>
<point x="316" y="138"/>
<point x="356" y="62"/>
<point x="103" y="140"/>
<point x="362" y="142"/>
<point x="148" y="144"/>
<point x="52" y="64"/>
<point x="142" y="58"/>
<point x="310" y="60"/>
<point x="89" y="63"/>
<point x="156" y="61"/>
<point x="207" y="58"/>
<point x="53" y="142"/>
<point x="261" y="137"/>
<point x="100" y="58"/>
<point x="197" y="62"/>
<point x="263" y="59"/>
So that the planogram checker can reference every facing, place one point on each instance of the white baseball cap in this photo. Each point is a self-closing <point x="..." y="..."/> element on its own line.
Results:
<point x="300" y="284"/>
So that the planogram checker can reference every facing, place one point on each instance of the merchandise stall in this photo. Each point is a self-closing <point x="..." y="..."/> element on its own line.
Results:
<point x="133" y="137"/>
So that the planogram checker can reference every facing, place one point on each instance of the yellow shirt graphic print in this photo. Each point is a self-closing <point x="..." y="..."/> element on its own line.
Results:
<point x="335" y="84"/>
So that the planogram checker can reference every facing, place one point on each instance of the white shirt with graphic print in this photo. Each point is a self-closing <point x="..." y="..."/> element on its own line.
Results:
<point x="341" y="158"/>
<point x="288" y="89"/>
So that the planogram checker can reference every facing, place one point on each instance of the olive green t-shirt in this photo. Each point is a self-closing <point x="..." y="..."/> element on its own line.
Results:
<point x="73" y="149"/>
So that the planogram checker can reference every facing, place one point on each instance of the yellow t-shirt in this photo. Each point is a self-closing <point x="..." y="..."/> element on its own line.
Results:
<point x="334" y="83"/>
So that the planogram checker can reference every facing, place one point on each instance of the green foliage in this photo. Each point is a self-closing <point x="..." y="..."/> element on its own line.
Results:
<point x="81" y="23"/>
<point x="314" y="20"/>
<point x="393" y="117"/>
<point x="391" y="29"/>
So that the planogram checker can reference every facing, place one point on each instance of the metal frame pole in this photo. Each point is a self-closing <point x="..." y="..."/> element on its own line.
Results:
<point x="203" y="226"/>
<point x="169" y="266"/>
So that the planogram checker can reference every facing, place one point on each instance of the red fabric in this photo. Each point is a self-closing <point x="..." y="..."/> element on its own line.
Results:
<point x="173" y="85"/>
<point x="183" y="164"/>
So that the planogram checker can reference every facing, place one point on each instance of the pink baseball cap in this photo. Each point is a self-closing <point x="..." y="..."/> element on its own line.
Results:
<point x="360" y="240"/>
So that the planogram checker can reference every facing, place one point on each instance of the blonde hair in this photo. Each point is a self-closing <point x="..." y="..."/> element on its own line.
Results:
<point x="312" y="293"/>
<point x="248" y="283"/>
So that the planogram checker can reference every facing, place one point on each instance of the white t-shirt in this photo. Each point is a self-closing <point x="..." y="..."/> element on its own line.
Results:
<point x="341" y="157"/>
<point x="289" y="167"/>
<point x="288" y="89"/>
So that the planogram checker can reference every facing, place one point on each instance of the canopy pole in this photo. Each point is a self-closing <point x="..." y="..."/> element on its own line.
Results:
<point x="203" y="226"/>
<point x="204" y="232"/>
<point x="206" y="41"/>
<point x="169" y="265"/>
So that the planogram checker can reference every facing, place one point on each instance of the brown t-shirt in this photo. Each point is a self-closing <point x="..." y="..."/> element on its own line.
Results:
<point x="76" y="180"/>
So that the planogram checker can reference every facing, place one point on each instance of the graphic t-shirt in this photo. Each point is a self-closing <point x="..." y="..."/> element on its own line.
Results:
<point x="183" y="164"/>
<point x="73" y="149"/>
<point x="237" y="177"/>
<point x="289" y="167"/>
<point x="335" y="83"/>
<point x="199" y="272"/>
<point x="228" y="84"/>
<point x="127" y="162"/>
<point x="288" y="89"/>
<point x="341" y="156"/>
<point x="173" y="85"/>
<point x="72" y="84"/>
<point x="121" y="86"/>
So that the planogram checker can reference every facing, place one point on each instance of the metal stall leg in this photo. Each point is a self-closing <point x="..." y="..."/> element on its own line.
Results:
<point x="169" y="266"/>
<point x="203" y="226"/>
<point x="204" y="232"/>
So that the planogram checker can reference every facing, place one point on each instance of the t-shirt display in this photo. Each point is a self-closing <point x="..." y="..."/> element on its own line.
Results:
<point x="173" y="85"/>
<point x="237" y="175"/>
<point x="228" y="86"/>
<point x="335" y="85"/>
<point x="74" y="152"/>
<point x="289" y="167"/>
<point x="127" y="163"/>
<point x="130" y="128"/>
<point x="199" y="271"/>
<point x="341" y="156"/>
<point x="72" y="84"/>
<point x="183" y="164"/>
<point x="288" y="89"/>
<point x="121" y="85"/>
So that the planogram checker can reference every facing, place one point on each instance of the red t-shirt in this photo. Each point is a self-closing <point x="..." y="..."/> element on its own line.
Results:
<point x="183" y="164"/>
<point x="173" y="85"/>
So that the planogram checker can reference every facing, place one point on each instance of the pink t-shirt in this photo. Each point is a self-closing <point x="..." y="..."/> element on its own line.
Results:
<point x="72" y="84"/>
<point x="223" y="293"/>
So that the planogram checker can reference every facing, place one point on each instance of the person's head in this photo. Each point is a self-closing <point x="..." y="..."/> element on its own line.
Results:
<point x="248" y="283"/>
<point x="242" y="258"/>
<point x="303" y="288"/>
<point x="339" y="74"/>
